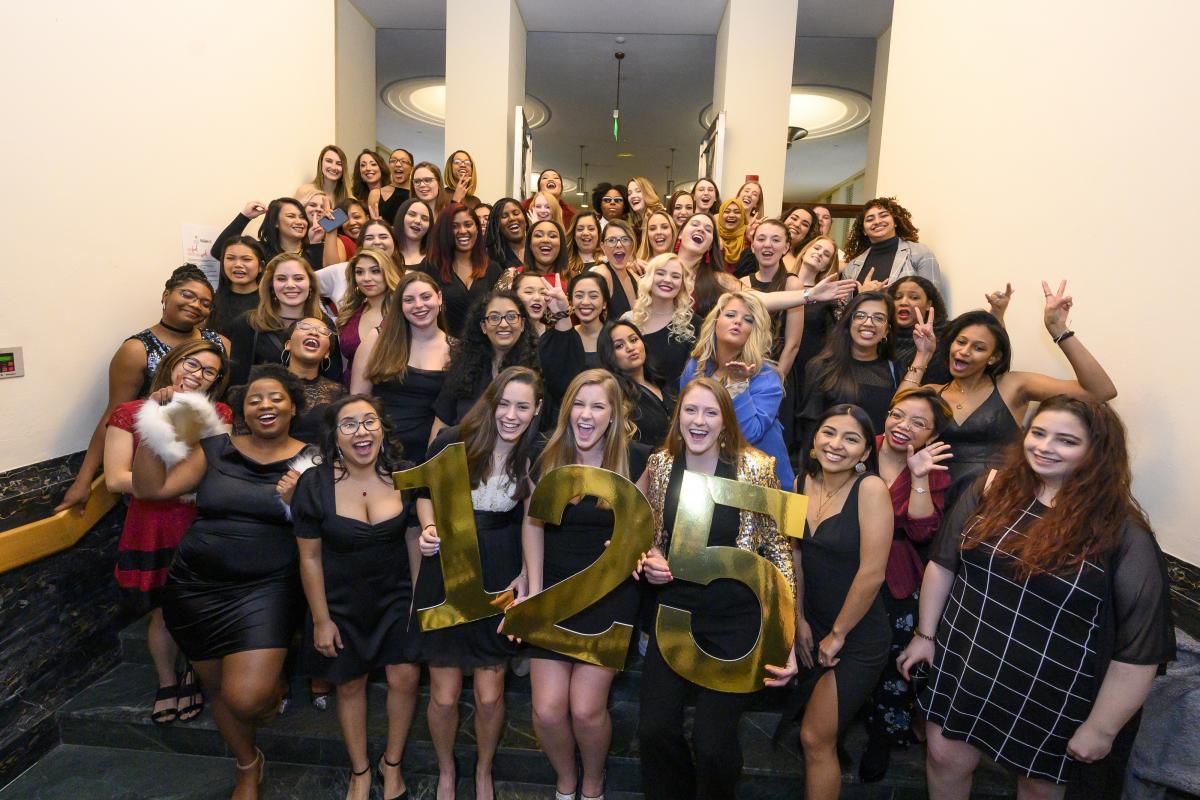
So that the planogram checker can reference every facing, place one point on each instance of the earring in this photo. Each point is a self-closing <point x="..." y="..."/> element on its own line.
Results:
<point x="860" y="468"/>
<point x="325" y="365"/>
<point x="812" y="453"/>
<point x="285" y="357"/>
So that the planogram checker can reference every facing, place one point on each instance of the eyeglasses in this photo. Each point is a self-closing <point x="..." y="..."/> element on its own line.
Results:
<point x="618" y="240"/>
<point x="191" y="365"/>
<point x="459" y="162"/>
<point x="611" y="200"/>
<point x="398" y="162"/>
<point x="899" y="416"/>
<point x="494" y="319"/>
<point x="308" y="327"/>
<point x="423" y="181"/>
<point x="191" y="297"/>
<point x="862" y="316"/>
<point x="349" y="427"/>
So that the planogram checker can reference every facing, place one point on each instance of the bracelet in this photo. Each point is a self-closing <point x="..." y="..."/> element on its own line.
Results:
<point x="808" y="298"/>
<point x="915" y="368"/>
<point x="1062" y="337"/>
<point x="427" y="527"/>
<point x="556" y="316"/>
<point x="917" y="632"/>
<point x="910" y="380"/>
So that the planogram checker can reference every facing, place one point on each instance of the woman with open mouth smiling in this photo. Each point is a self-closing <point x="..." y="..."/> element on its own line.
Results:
<point x="707" y="197"/>
<point x="497" y="334"/>
<point x="350" y="527"/>
<point x="370" y="174"/>
<point x="643" y="200"/>
<point x="734" y="347"/>
<point x="657" y="237"/>
<point x="801" y="225"/>
<point x="461" y="179"/>
<point x="383" y="202"/>
<point x="545" y="252"/>
<point x="550" y="181"/>
<point x="680" y="206"/>
<point x="284" y="229"/>
<point x="242" y="263"/>
<point x="583" y="245"/>
<point x="1045" y="613"/>
<point x="571" y="348"/>
<point x="704" y="438"/>
<point x="663" y="312"/>
<point x="842" y="631"/>
<point x="459" y="263"/>
<point x="530" y="287"/>
<point x="306" y="350"/>
<point x="619" y="243"/>
<point x="570" y="698"/>
<point x="232" y="592"/>
<point x="911" y="463"/>
<point x="373" y="277"/>
<point x="500" y="433"/>
<point x="403" y="361"/>
<point x="544" y="206"/>
<point x="882" y="246"/>
<point x="700" y="253"/>
<point x="505" y="236"/>
<point x="414" y="221"/>
<point x="731" y="232"/>
<point x="987" y="398"/>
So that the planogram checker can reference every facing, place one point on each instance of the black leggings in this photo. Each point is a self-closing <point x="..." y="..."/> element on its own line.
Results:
<point x="668" y="771"/>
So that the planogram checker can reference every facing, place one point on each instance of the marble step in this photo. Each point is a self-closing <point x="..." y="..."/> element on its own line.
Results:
<point x="114" y="712"/>
<point x="70" y="772"/>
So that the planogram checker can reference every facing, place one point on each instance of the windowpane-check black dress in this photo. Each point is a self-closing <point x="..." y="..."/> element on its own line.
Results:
<point x="1019" y="661"/>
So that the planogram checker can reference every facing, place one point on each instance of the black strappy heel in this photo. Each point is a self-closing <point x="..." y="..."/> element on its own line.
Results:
<point x="383" y="761"/>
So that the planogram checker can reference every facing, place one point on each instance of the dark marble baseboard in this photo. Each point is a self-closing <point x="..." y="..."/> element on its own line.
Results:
<point x="59" y="620"/>
<point x="1185" y="594"/>
<point x="30" y="493"/>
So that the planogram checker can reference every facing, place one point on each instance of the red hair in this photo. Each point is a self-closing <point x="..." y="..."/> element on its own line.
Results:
<point x="441" y="244"/>
<point x="1090" y="509"/>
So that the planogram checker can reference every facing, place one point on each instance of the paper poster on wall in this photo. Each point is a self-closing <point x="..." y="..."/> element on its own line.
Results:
<point x="197" y="249"/>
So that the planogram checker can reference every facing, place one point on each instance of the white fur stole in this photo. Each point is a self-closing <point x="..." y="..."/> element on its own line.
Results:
<point x="172" y="430"/>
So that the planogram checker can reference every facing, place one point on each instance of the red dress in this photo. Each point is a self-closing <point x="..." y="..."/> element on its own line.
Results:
<point x="153" y="528"/>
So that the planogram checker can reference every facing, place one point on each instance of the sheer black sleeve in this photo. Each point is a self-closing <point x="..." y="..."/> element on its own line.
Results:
<point x="945" y="549"/>
<point x="1145" y="630"/>
<point x="306" y="505"/>
<point x="235" y="228"/>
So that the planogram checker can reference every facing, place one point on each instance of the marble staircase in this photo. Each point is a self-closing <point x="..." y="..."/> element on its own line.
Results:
<point x="110" y="749"/>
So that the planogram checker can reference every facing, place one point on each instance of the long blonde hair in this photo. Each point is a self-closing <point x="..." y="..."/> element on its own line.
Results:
<point x="354" y="299"/>
<point x="449" y="172"/>
<point x="835" y="262"/>
<point x="389" y="357"/>
<point x="649" y="196"/>
<point x="680" y="326"/>
<point x="757" y="349"/>
<point x="643" y="250"/>
<point x="265" y="317"/>
<point x="562" y="450"/>
<point x="555" y="206"/>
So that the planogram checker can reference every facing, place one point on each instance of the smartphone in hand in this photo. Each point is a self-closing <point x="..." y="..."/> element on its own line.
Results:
<point x="336" y="221"/>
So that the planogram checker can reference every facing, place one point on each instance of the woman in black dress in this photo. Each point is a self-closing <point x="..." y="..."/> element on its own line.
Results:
<point x="567" y="346"/>
<point x="570" y="698"/>
<point x="349" y="525"/>
<point x="403" y="362"/>
<point x="1045" y="610"/>
<point x="505" y="234"/>
<point x="618" y="244"/>
<point x="622" y="352"/>
<point x="305" y="352"/>
<point x="989" y="400"/>
<point x="663" y="312"/>
<point x="815" y="262"/>
<point x="237" y="287"/>
<point x="459" y="263"/>
<point x="232" y="591"/>
<point x="704" y="438"/>
<point x="284" y="229"/>
<point x="842" y="634"/>
<point x="186" y="303"/>
<point x="500" y="433"/>
<point x="498" y="334"/>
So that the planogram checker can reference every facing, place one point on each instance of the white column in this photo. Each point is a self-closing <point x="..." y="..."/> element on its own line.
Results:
<point x="485" y="81"/>
<point x="752" y="85"/>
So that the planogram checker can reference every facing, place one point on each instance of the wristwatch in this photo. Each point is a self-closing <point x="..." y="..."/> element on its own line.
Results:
<point x="808" y="298"/>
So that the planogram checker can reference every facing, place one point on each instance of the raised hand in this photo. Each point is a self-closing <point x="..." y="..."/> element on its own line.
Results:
<point x="738" y="371"/>
<point x="928" y="458"/>
<point x="163" y="395"/>
<point x="924" y="337"/>
<point x="556" y="299"/>
<point x="998" y="300"/>
<point x="254" y="209"/>
<point x="1058" y="308"/>
<point x="833" y="288"/>
<point x="869" y="285"/>
<point x="462" y="187"/>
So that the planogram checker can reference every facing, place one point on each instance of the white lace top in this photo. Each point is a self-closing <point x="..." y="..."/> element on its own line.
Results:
<point x="494" y="494"/>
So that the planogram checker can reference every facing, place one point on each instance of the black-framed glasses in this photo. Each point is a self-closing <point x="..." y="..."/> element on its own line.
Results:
<point x="193" y="366"/>
<point x="423" y="181"/>
<point x="618" y="241"/>
<point x="309" y="327"/>
<point x="349" y="427"/>
<point x="862" y="316"/>
<point x="495" y="318"/>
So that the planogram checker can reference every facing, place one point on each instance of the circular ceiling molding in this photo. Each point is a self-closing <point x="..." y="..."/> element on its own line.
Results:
<point x="821" y="110"/>
<point x="424" y="100"/>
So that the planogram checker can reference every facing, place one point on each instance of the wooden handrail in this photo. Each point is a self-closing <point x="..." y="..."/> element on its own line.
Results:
<point x="45" y="537"/>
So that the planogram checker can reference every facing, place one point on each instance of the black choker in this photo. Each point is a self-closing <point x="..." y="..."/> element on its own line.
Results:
<point x="173" y="329"/>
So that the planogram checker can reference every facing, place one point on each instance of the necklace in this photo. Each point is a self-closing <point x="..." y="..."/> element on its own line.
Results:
<point x="962" y="394"/>
<point x="173" y="329"/>
<point x="827" y="499"/>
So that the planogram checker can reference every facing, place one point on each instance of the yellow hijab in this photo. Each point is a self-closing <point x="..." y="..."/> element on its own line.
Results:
<point x="733" y="242"/>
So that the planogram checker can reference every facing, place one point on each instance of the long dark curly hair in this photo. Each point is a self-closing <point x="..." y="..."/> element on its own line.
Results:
<point x="471" y="355"/>
<point x="857" y="241"/>
<point x="391" y="452"/>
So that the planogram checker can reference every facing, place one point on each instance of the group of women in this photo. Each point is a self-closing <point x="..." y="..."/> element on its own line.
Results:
<point x="385" y="313"/>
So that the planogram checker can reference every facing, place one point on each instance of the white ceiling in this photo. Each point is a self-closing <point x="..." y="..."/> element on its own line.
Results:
<point x="666" y="79"/>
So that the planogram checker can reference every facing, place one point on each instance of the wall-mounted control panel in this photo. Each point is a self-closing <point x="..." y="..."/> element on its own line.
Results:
<point x="12" y="363"/>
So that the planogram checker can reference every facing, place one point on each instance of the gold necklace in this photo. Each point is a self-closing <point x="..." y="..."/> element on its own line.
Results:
<point x="962" y="393"/>
<point x="828" y="497"/>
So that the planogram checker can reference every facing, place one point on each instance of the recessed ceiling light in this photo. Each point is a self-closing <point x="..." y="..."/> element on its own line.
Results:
<point x="424" y="99"/>
<point x="821" y="110"/>
<point x="624" y="155"/>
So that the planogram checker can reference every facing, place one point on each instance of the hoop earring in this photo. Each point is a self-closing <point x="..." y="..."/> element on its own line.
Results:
<point x="326" y="363"/>
<point x="860" y="468"/>
<point x="285" y="357"/>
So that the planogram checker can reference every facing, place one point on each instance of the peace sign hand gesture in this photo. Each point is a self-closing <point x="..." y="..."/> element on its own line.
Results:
<point x="928" y="459"/>
<point x="1058" y="308"/>
<point x="555" y="298"/>
<point x="923" y="335"/>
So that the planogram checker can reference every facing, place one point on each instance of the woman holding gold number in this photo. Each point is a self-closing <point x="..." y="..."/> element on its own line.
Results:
<point x="704" y="437"/>
<point x="499" y="433"/>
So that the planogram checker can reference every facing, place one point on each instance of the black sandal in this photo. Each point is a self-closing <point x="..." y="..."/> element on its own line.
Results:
<point x="189" y="690"/>
<point x="165" y="716"/>
<point x="383" y="760"/>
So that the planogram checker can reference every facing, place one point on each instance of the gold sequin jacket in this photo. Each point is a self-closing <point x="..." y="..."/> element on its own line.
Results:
<point x="757" y="533"/>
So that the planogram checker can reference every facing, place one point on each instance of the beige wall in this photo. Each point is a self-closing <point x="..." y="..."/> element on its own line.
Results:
<point x="121" y="126"/>
<point x="355" y="79"/>
<point x="1049" y="140"/>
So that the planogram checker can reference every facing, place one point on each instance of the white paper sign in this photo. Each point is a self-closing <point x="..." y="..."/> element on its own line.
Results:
<point x="198" y="243"/>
